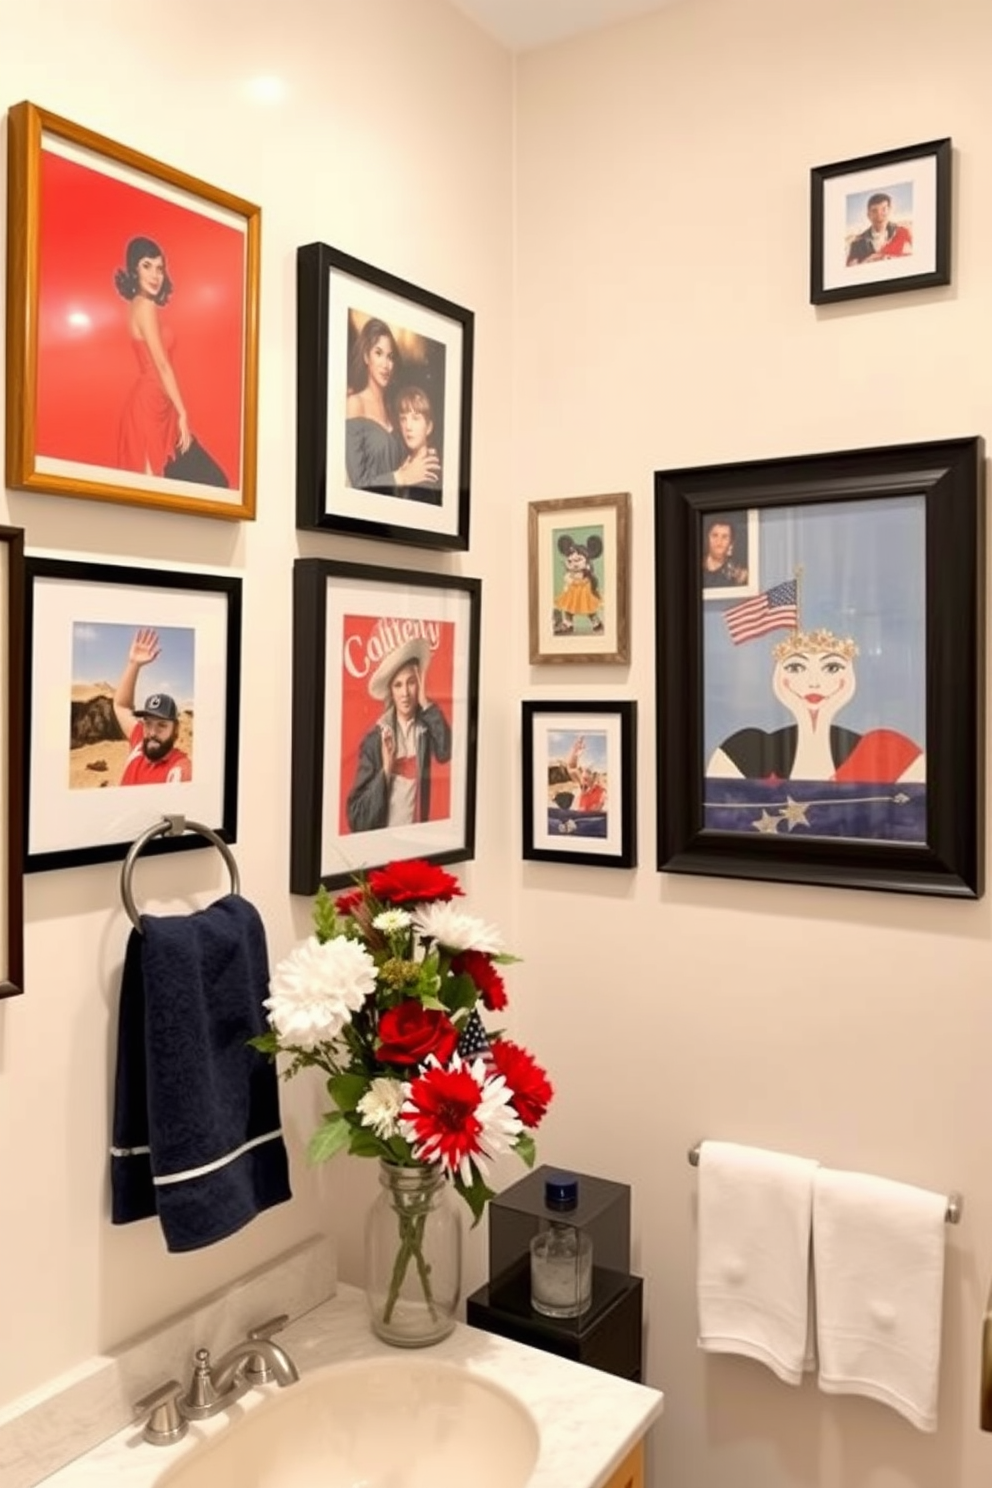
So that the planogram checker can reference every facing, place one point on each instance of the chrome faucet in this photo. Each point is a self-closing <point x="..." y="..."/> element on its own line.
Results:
<point x="214" y="1387"/>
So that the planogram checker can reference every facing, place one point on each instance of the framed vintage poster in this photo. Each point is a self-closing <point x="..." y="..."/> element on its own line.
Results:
<point x="11" y="760"/>
<point x="132" y="708"/>
<point x="580" y="783"/>
<point x="829" y="729"/>
<point x="579" y="579"/>
<point x="385" y="719"/>
<point x="384" y="404"/>
<point x="132" y="325"/>
<point x="881" y="223"/>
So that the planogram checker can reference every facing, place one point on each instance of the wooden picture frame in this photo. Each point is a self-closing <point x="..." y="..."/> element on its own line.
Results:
<point x="881" y="224"/>
<point x="578" y="555"/>
<point x="381" y="453"/>
<point x="873" y="564"/>
<point x="12" y="761"/>
<point x="579" y="794"/>
<point x="134" y="680"/>
<point x="370" y="645"/>
<point x="132" y="325"/>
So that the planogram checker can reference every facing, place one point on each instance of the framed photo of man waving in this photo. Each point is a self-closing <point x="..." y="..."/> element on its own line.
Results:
<point x="385" y="700"/>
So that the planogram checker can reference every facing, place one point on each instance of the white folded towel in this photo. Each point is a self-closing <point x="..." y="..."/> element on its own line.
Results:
<point x="878" y="1250"/>
<point x="752" y="1279"/>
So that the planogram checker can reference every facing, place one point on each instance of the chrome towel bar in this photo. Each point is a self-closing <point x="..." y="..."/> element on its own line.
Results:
<point x="952" y="1214"/>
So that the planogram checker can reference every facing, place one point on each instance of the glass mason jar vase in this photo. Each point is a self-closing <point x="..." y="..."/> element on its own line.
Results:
<point x="413" y="1257"/>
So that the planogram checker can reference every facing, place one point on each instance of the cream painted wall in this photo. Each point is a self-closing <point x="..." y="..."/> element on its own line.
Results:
<point x="662" y="320"/>
<point x="391" y="141"/>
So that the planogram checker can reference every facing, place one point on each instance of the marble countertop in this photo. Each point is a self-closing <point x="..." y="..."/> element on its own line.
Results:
<point x="588" y="1420"/>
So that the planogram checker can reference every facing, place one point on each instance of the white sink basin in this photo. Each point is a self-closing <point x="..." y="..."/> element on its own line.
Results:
<point x="408" y="1422"/>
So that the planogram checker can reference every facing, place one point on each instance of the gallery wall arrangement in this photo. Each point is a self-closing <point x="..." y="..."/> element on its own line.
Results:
<point x="132" y="325"/>
<point x="820" y="690"/>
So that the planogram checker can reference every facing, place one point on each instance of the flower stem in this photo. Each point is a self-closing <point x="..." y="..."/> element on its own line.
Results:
<point x="411" y="1231"/>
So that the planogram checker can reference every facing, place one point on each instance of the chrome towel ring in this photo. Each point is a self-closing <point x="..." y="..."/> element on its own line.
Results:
<point x="171" y="826"/>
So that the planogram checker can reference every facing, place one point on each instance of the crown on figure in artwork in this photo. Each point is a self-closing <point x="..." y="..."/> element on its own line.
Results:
<point x="814" y="640"/>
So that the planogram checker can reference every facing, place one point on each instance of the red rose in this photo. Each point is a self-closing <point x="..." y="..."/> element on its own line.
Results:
<point x="412" y="882"/>
<point x="526" y="1079"/>
<point x="485" y="976"/>
<point x="408" y="1033"/>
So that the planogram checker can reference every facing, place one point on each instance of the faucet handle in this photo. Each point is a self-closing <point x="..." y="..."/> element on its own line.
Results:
<point x="266" y="1330"/>
<point x="166" y="1422"/>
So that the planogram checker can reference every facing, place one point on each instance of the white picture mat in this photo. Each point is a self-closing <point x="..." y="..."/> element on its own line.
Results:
<point x="348" y="293"/>
<point x="356" y="850"/>
<point x="591" y="643"/>
<point x="63" y="819"/>
<point x="543" y="725"/>
<point x="836" y="189"/>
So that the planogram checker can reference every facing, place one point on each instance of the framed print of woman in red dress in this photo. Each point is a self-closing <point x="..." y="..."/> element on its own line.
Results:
<point x="134" y="339"/>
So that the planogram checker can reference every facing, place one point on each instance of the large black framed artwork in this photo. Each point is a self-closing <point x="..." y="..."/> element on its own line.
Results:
<point x="385" y="719"/>
<point x="881" y="224"/>
<point x="384" y="404"/>
<point x="828" y="729"/>
<point x="11" y="760"/>
<point x="132" y="714"/>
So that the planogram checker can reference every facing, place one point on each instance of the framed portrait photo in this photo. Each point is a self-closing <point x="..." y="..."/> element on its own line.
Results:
<point x="132" y="325"/>
<point x="384" y="404"/>
<point x="580" y="783"/>
<point x="829" y="729"/>
<point x="132" y="708"/>
<point x="579" y="579"/>
<point x="730" y="559"/>
<point x="881" y="224"/>
<point x="385" y="719"/>
<point x="11" y="760"/>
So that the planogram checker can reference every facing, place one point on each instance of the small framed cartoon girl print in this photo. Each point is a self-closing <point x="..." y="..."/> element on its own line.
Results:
<point x="578" y="580"/>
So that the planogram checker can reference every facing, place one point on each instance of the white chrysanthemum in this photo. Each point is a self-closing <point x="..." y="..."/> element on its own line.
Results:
<point x="315" y="990"/>
<point x="455" y="930"/>
<point x="379" y="1107"/>
<point x="437" y="1129"/>
<point x="392" y="921"/>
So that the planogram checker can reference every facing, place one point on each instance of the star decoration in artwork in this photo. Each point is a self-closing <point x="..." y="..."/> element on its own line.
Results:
<point x="766" y="823"/>
<point x="794" y="813"/>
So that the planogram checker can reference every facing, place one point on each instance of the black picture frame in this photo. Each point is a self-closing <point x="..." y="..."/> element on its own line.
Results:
<point x="916" y="246"/>
<point x="560" y="830"/>
<point x="12" y="761"/>
<point x="432" y="357"/>
<point x="949" y="861"/>
<point x="350" y="620"/>
<point x="82" y="617"/>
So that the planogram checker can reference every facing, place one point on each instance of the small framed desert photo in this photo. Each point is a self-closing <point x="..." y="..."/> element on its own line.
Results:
<point x="132" y="707"/>
<point x="579" y="783"/>
<point x="578" y="579"/>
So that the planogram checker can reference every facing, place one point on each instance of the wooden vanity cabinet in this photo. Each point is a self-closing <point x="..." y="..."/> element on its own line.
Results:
<point x="630" y="1473"/>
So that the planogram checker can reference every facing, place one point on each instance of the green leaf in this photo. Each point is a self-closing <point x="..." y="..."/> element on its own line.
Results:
<point x="329" y="1138"/>
<point x="476" y="1195"/>
<point x="505" y="959"/>
<point x="347" y="1090"/>
<point x="431" y="1001"/>
<point x="267" y="1043"/>
<point x="526" y="1148"/>
<point x="365" y="1143"/>
<point x="459" y="992"/>
<point x="325" y="916"/>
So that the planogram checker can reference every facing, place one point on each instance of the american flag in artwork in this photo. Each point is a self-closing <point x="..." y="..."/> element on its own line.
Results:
<point x="776" y="609"/>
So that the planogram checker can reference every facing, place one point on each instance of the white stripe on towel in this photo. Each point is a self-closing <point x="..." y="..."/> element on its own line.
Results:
<point x="210" y="1167"/>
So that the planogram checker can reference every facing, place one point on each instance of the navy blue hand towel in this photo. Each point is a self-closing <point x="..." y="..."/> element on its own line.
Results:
<point x="197" y="1137"/>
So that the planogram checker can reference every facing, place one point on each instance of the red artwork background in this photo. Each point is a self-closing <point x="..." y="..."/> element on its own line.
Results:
<point x="359" y="712"/>
<point x="85" y="371"/>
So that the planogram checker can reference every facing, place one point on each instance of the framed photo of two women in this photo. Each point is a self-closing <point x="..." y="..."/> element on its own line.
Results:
<point x="384" y="404"/>
<point x="828" y="727"/>
<point x="132" y="325"/>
